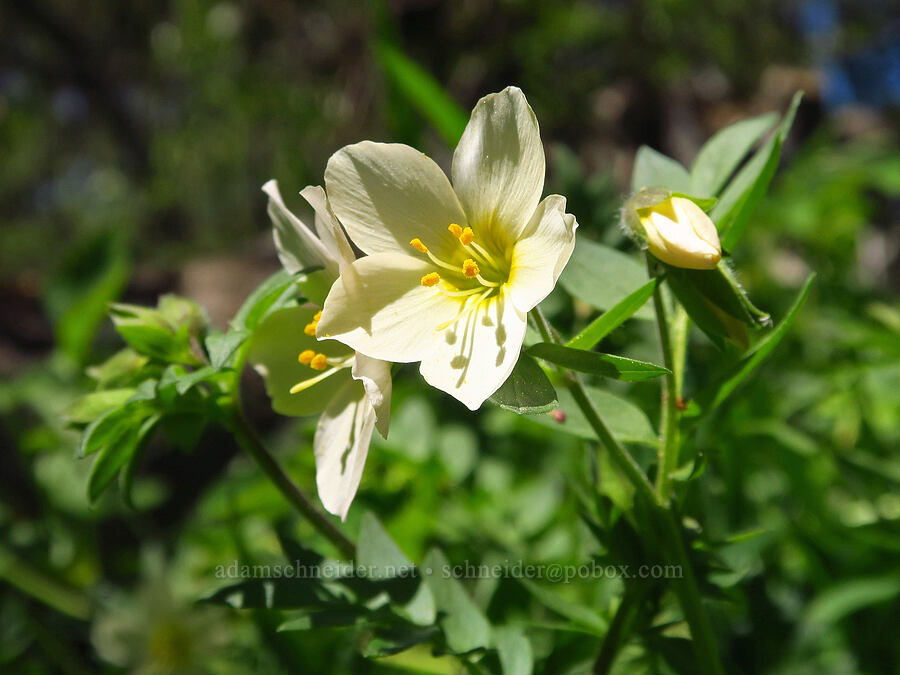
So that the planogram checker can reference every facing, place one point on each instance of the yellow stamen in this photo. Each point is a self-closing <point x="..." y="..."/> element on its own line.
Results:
<point x="319" y="362"/>
<point x="466" y="236"/>
<point x="455" y="230"/>
<point x="470" y="268"/>
<point x="306" y="356"/>
<point x="431" y="279"/>
<point x="317" y="316"/>
<point x="310" y="328"/>
<point x="418" y="245"/>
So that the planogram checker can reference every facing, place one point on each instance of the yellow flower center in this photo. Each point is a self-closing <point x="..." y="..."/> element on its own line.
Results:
<point x="477" y="259"/>
<point x="319" y="361"/>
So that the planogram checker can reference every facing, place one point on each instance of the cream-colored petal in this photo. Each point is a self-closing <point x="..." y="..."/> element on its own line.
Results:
<point x="386" y="194"/>
<point x="341" y="444"/>
<point x="541" y="253"/>
<point x="475" y="355"/>
<point x="379" y="308"/>
<point x="297" y="246"/>
<point x="679" y="244"/>
<point x="274" y="348"/>
<point x="498" y="166"/>
<point x="376" y="378"/>
<point x="327" y="225"/>
<point x="701" y="223"/>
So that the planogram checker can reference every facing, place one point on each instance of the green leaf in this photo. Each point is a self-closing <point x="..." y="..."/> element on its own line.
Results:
<point x="273" y="352"/>
<point x="114" y="455"/>
<point x="712" y="397"/>
<point x="845" y="598"/>
<point x="383" y="559"/>
<point x="654" y="169"/>
<point x="514" y="649"/>
<point x="147" y="331"/>
<point x="721" y="154"/>
<point x="465" y="627"/>
<point x="527" y="391"/>
<point x="221" y="346"/>
<point x="738" y="201"/>
<point x="607" y="322"/>
<point x="594" y="363"/>
<point x="583" y="616"/>
<point x="271" y="593"/>
<point x="272" y="294"/>
<point x="602" y="276"/>
<point x="423" y="92"/>
<point x="91" y="406"/>
<point x="120" y="369"/>
<point x="183" y="430"/>
<point x="110" y="427"/>
<point x="627" y="422"/>
<point x="716" y="303"/>
<point x="705" y="203"/>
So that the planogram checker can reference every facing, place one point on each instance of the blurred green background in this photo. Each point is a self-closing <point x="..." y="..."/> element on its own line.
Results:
<point x="134" y="138"/>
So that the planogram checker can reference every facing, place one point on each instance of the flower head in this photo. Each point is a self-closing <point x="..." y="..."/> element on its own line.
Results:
<point x="305" y="376"/>
<point x="450" y="271"/>
<point x="675" y="229"/>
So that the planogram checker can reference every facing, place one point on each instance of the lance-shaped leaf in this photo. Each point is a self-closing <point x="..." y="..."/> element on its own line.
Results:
<point x="595" y="363"/>
<point x="463" y="624"/>
<point x="654" y="169"/>
<point x="738" y="201"/>
<point x="115" y="454"/>
<point x="607" y="322"/>
<point x="721" y="154"/>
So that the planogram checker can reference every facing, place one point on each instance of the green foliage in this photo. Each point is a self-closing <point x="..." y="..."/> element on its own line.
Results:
<point x="594" y="363"/>
<point x="527" y="391"/>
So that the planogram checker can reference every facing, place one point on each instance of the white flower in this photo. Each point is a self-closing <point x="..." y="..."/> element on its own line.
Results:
<point x="304" y="376"/>
<point x="451" y="272"/>
<point x="679" y="233"/>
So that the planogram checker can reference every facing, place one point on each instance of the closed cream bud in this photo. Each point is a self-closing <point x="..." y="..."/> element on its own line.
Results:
<point x="679" y="233"/>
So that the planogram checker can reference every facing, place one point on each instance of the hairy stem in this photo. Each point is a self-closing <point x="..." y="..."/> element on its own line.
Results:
<point x="668" y="427"/>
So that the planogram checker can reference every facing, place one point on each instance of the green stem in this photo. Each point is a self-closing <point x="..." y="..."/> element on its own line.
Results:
<point x="703" y="637"/>
<point x="620" y="627"/>
<point x="250" y="442"/>
<point x="619" y="454"/>
<point x="688" y="592"/>
<point x="668" y="441"/>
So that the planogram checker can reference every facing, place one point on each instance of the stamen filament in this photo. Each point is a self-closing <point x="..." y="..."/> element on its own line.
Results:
<point x="485" y="282"/>
<point x="306" y="384"/>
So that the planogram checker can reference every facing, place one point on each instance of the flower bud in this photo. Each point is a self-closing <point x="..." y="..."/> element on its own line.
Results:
<point x="675" y="229"/>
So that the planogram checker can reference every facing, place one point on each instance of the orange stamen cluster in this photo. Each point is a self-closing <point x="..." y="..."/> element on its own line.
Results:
<point x="418" y="245"/>
<point x="455" y="230"/>
<point x="315" y="360"/>
<point x="310" y="328"/>
<point x="306" y="356"/>
<point x="431" y="279"/>
<point x="470" y="268"/>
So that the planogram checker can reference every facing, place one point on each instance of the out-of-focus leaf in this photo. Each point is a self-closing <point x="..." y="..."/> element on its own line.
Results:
<point x="584" y="616"/>
<point x="274" y="293"/>
<point x="120" y="369"/>
<point x="711" y="397"/>
<point x="527" y="391"/>
<point x="222" y="346"/>
<point x="628" y="423"/>
<point x="89" y="407"/>
<point x="463" y="624"/>
<point x="343" y="616"/>
<point x="93" y="274"/>
<point x="424" y="93"/>
<point x="595" y="363"/>
<point x="607" y="322"/>
<point x="272" y="593"/>
<point x="848" y="597"/>
<point x="653" y="169"/>
<point x="602" y="276"/>
<point x="383" y="559"/>
<point x="721" y="154"/>
<point x="149" y="332"/>
<point x="738" y="201"/>
<point x="115" y="454"/>
<point x="109" y="427"/>
<point x="514" y="650"/>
